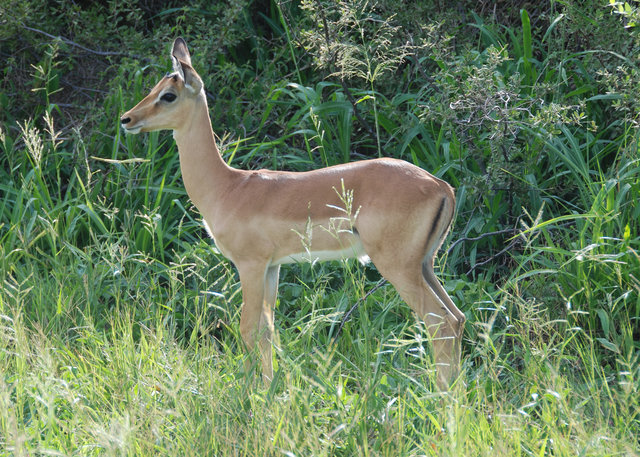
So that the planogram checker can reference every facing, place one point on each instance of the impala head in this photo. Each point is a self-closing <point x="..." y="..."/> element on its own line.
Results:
<point x="170" y="102"/>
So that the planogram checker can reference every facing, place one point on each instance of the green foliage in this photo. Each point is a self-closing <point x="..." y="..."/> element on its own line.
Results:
<point x="119" y="320"/>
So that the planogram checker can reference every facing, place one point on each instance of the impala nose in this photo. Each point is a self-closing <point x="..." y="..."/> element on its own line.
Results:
<point x="125" y="120"/>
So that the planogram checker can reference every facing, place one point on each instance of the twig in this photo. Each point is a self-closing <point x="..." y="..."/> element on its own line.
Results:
<point x="493" y="257"/>
<point x="345" y="88"/>
<point x="73" y="43"/>
<point x="480" y="237"/>
<point x="503" y="251"/>
<point x="356" y="111"/>
<point x="347" y="315"/>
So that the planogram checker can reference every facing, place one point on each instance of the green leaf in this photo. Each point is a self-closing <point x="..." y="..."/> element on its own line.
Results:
<point x="604" y="321"/>
<point x="609" y="345"/>
<point x="604" y="97"/>
<point x="527" y="55"/>
<point x="526" y="35"/>
<point x="551" y="27"/>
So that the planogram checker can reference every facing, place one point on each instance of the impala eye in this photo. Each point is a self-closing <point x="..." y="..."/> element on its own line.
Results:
<point x="168" y="97"/>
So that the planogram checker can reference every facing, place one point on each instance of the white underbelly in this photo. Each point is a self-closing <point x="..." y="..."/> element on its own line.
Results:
<point x="356" y="250"/>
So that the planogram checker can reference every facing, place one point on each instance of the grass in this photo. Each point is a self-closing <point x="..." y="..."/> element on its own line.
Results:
<point x="119" y="335"/>
<point x="85" y="383"/>
<point x="119" y="320"/>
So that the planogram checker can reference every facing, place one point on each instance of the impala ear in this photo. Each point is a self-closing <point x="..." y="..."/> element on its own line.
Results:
<point x="177" y="67"/>
<point x="180" y="51"/>
<point x="182" y="65"/>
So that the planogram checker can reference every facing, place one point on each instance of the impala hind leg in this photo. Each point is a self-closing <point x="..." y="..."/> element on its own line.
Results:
<point x="436" y="286"/>
<point x="259" y="290"/>
<point x="442" y="324"/>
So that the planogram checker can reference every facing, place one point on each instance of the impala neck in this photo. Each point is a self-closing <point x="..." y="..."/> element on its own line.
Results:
<point x="204" y="172"/>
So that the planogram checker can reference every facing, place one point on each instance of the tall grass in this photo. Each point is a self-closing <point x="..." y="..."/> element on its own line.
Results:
<point x="119" y="319"/>
<point x="109" y="348"/>
<point x="133" y="385"/>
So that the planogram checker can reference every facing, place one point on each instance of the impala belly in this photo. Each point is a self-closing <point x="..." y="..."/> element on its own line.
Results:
<point x="350" y="248"/>
<point x="354" y="250"/>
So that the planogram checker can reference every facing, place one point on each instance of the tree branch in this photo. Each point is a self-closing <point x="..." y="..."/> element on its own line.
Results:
<point x="346" y="90"/>
<point x="347" y="315"/>
<point x="79" y="46"/>
<point x="480" y="237"/>
<point x="493" y="257"/>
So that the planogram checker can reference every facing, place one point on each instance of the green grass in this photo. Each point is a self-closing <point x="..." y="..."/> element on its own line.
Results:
<point x="119" y="334"/>
<point x="133" y="379"/>
<point x="119" y="319"/>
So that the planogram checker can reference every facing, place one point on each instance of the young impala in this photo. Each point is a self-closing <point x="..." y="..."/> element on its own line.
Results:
<point x="261" y="219"/>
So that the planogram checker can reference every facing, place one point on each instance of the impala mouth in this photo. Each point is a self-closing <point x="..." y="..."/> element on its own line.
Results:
<point x="132" y="130"/>
<point x="128" y="126"/>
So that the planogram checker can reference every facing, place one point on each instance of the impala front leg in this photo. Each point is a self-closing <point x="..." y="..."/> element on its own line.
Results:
<point x="256" y="321"/>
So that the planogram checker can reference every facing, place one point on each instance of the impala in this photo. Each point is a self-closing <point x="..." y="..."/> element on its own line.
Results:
<point x="398" y="218"/>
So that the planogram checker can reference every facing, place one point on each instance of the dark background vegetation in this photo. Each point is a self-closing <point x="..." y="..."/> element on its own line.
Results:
<point x="522" y="106"/>
<point x="529" y="108"/>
